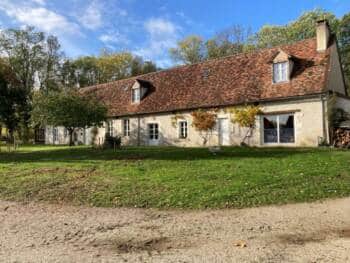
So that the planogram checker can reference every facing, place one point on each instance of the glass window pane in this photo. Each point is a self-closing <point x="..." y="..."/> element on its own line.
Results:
<point x="275" y="72"/>
<point x="280" y="72"/>
<point x="153" y="131"/>
<point x="270" y="129"/>
<point x="284" y="71"/>
<point x="183" y="129"/>
<point x="286" y="126"/>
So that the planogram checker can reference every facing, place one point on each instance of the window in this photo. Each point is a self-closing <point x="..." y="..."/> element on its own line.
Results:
<point x="65" y="133"/>
<point x="153" y="131"/>
<point x="55" y="134"/>
<point x="110" y="128"/>
<point x="183" y="129"/>
<point x="126" y="127"/>
<point x="280" y="72"/>
<point x="279" y="129"/>
<point x="136" y="95"/>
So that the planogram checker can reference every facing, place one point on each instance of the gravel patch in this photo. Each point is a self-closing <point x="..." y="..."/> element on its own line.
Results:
<point x="313" y="232"/>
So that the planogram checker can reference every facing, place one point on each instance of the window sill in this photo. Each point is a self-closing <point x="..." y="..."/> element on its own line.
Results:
<point x="279" y="144"/>
<point x="280" y="82"/>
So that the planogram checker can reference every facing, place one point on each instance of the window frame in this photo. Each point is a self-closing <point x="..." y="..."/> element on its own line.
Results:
<point x="153" y="134"/>
<point x="278" y="115"/>
<point x="55" y="134"/>
<point x="183" y="131"/>
<point x="126" y="127"/>
<point x="280" y="72"/>
<point x="110" y="128"/>
<point x="134" y="92"/>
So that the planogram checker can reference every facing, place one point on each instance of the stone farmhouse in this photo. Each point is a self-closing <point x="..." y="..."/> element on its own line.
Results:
<point x="296" y="85"/>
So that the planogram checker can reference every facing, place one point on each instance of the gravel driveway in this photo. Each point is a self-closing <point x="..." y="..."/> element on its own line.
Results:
<point x="316" y="232"/>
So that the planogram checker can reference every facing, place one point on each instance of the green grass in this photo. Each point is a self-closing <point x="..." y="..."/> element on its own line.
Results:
<point x="174" y="177"/>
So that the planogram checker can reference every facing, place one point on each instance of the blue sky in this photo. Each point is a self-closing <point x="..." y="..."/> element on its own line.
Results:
<point x="148" y="27"/>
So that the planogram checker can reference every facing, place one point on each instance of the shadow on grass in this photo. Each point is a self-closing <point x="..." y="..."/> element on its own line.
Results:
<point x="67" y="154"/>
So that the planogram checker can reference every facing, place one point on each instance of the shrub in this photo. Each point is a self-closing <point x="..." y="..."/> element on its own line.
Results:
<point x="112" y="142"/>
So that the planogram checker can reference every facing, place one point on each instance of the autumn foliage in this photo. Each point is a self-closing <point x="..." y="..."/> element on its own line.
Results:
<point x="245" y="117"/>
<point x="204" y="122"/>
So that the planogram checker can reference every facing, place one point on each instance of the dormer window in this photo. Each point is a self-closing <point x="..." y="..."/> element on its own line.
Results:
<point x="140" y="90"/>
<point x="280" y="72"/>
<point x="282" y="66"/>
<point x="136" y="95"/>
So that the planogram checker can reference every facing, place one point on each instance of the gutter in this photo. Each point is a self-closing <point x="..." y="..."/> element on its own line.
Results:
<point x="301" y="97"/>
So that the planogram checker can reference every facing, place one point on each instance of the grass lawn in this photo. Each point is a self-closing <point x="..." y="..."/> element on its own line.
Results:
<point x="173" y="177"/>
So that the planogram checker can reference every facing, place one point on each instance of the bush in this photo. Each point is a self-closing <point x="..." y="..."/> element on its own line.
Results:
<point x="112" y="142"/>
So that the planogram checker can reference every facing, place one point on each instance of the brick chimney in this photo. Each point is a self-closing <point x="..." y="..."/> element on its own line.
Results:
<point x="322" y="34"/>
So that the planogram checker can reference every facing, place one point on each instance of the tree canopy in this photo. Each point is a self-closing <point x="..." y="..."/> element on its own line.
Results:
<point x="10" y="98"/>
<point x="67" y="109"/>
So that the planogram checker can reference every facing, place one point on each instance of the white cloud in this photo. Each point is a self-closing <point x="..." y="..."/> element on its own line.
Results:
<point x="160" y="26"/>
<point x="40" y="17"/>
<point x="162" y="35"/>
<point x="39" y="2"/>
<point x="92" y="16"/>
<point x="24" y="13"/>
<point x="113" y="37"/>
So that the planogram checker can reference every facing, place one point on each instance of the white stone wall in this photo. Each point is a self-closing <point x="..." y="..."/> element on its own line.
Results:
<point x="62" y="138"/>
<point x="310" y="126"/>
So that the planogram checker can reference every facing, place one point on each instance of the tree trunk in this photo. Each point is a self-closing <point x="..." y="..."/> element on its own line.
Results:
<point x="246" y="136"/>
<point x="71" y="131"/>
<point x="10" y="136"/>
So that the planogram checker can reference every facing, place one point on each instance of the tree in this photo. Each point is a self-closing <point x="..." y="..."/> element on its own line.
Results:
<point x="148" y="67"/>
<point x="83" y="71"/>
<point x="10" y="97"/>
<point x="50" y="72"/>
<point x="29" y="53"/>
<point x="189" y="51"/>
<point x="68" y="109"/>
<point x="231" y="41"/>
<point x="204" y="122"/>
<point x="114" y="66"/>
<point x="344" y="45"/>
<point x="246" y="117"/>
<point x="139" y="67"/>
<point x="303" y="28"/>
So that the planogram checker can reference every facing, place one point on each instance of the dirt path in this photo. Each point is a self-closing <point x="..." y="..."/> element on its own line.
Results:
<point x="318" y="232"/>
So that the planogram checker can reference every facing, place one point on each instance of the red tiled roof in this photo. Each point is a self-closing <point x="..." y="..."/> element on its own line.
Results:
<point x="227" y="81"/>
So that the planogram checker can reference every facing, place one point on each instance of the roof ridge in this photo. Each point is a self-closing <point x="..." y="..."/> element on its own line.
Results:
<point x="102" y="85"/>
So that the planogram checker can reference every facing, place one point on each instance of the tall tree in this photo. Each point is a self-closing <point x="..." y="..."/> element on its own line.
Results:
<point x="68" y="109"/>
<point x="84" y="71"/>
<point x="148" y="67"/>
<point x="10" y="97"/>
<point x="303" y="28"/>
<point x="344" y="45"/>
<point x="29" y="53"/>
<point x="50" y="72"/>
<point x="231" y="41"/>
<point x="189" y="50"/>
<point x="114" y="66"/>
